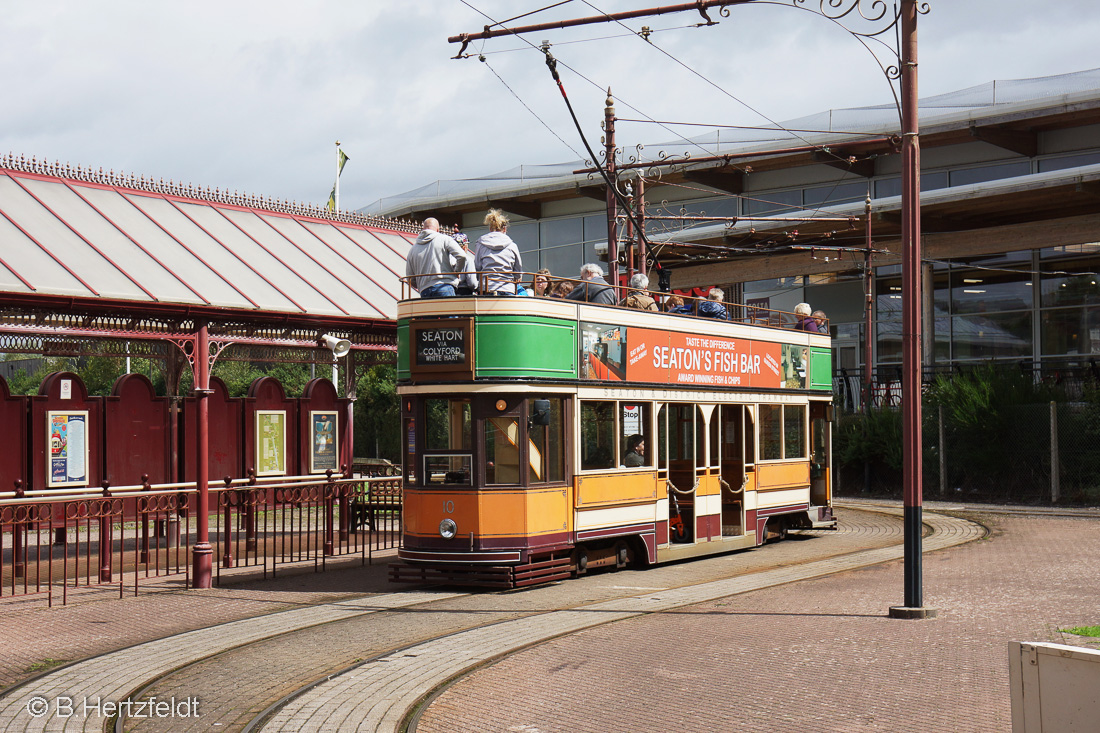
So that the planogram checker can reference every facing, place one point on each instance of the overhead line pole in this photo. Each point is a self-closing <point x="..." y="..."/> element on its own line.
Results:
<point x="911" y="308"/>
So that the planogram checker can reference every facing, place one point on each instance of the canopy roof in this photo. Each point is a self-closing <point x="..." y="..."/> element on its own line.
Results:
<point x="1013" y="106"/>
<point x="73" y="234"/>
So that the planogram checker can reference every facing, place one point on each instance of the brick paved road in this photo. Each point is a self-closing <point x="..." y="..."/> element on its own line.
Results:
<point x="237" y="685"/>
<point x="114" y="676"/>
<point x="817" y="655"/>
<point x="377" y="695"/>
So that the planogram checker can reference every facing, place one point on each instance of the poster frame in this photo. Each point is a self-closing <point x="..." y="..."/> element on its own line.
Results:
<point x="313" y="415"/>
<point x="50" y="415"/>
<point x="263" y="468"/>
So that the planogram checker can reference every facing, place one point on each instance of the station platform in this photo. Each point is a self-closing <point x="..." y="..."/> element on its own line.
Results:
<point x="792" y="636"/>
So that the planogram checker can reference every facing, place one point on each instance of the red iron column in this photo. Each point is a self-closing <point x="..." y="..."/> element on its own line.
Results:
<point x="612" y="204"/>
<point x="911" y="319"/>
<point x="202" y="553"/>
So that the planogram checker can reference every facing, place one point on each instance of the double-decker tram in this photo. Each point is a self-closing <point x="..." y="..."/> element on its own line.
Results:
<point x="544" y="437"/>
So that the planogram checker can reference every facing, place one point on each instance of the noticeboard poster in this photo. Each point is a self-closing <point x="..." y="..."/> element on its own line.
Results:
<point x="67" y="448"/>
<point x="270" y="442"/>
<point x="324" y="441"/>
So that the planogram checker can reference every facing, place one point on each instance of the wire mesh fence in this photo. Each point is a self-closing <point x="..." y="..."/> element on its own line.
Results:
<point x="1039" y="453"/>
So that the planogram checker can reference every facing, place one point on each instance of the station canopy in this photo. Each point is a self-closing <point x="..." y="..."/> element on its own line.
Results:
<point x="941" y="117"/>
<point x="97" y="255"/>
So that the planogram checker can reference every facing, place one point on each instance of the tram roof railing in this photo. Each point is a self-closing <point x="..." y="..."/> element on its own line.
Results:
<point x="753" y="315"/>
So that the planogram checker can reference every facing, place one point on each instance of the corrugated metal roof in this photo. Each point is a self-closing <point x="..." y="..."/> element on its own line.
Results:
<point x="62" y="236"/>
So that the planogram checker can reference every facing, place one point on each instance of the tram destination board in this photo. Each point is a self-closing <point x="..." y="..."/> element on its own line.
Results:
<point x="443" y="345"/>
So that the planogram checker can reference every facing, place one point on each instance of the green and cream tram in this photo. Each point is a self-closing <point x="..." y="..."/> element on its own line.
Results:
<point x="546" y="437"/>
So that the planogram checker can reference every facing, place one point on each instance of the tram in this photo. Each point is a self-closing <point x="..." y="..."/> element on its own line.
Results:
<point x="543" y="438"/>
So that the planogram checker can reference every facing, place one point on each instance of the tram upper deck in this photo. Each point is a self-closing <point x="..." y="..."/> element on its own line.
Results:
<point x="473" y="339"/>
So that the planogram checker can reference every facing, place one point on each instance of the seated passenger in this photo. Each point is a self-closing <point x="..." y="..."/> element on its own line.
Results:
<point x="820" y="318"/>
<point x="540" y="284"/>
<point x="466" y="282"/>
<point x="638" y="297"/>
<point x="594" y="289"/>
<point x="635" y="451"/>
<point x="712" y="307"/>
<point x="805" y="320"/>
<point x="675" y="304"/>
<point x="562" y="289"/>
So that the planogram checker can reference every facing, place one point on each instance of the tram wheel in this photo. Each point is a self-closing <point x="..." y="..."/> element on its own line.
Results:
<point x="580" y="561"/>
<point x="781" y="530"/>
<point x="622" y="554"/>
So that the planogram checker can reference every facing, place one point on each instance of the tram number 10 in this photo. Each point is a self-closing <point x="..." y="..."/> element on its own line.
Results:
<point x="448" y="507"/>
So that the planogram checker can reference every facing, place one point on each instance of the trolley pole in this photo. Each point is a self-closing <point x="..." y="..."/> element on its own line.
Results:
<point x="612" y="204"/>
<point x="912" y="294"/>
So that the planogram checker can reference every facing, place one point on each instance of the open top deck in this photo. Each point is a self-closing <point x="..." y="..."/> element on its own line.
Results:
<point x="465" y="339"/>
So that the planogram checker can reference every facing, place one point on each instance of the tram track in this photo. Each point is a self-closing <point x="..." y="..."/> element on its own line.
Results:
<point x="540" y="612"/>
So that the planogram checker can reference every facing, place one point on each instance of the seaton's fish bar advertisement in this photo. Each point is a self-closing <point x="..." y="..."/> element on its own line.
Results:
<point x="631" y="354"/>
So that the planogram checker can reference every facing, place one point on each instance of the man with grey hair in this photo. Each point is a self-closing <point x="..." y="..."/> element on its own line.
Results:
<point x="713" y="307"/>
<point x="434" y="262"/>
<point x="638" y="297"/>
<point x="593" y="289"/>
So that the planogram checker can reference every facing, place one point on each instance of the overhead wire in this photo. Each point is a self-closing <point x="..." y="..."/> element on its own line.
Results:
<point x="528" y="108"/>
<point x="552" y="63"/>
<point x="702" y="76"/>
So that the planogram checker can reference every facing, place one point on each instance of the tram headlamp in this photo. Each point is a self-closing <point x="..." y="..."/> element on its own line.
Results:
<point x="448" y="529"/>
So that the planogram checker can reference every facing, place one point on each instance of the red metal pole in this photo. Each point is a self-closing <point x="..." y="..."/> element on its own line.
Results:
<point x="202" y="552"/>
<point x="640" y="211"/>
<point x="612" y="204"/>
<point x="912" y="294"/>
<point x="868" y="315"/>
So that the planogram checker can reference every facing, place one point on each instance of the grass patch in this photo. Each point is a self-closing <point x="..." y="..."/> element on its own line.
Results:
<point x="1083" y="630"/>
<point x="44" y="665"/>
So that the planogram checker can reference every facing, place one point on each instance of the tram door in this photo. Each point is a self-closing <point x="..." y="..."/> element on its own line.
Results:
<point x="676" y="426"/>
<point x="730" y="421"/>
<point x="820" y="447"/>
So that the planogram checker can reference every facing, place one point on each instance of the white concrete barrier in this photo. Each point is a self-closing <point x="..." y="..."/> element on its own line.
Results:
<point x="1055" y="688"/>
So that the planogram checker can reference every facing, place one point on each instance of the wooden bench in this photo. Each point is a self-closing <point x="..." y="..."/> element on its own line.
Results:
<point x="378" y="497"/>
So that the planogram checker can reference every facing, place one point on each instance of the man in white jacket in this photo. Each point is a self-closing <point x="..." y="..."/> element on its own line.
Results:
<point x="434" y="261"/>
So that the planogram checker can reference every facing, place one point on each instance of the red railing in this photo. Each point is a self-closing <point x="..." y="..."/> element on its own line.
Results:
<point x="54" y="543"/>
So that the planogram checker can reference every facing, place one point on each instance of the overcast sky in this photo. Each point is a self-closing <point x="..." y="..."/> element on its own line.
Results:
<point x="252" y="94"/>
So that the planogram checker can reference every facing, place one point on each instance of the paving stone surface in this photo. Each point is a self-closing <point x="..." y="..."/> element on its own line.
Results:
<point x="89" y="629"/>
<point x="379" y="694"/>
<point x="816" y="655"/>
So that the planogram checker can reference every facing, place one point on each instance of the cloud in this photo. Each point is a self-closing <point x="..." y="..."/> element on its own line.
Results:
<point x="252" y="95"/>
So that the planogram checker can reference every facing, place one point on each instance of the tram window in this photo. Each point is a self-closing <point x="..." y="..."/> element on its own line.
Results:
<point x="410" y="450"/>
<point x="715" y="437"/>
<point x="448" y="424"/>
<point x="634" y="442"/>
<point x="818" y="435"/>
<point x="700" y="438"/>
<point x="681" y="433"/>
<point x="662" y="438"/>
<point x="546" y="446"/>
<point x="447" y="469"/>
<point x="597" y="435"/>
<point x="502" y="436"/>
<point x="771" y="432"/>
<point x="750" y="438"/>
<point x="794" y="431"/>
